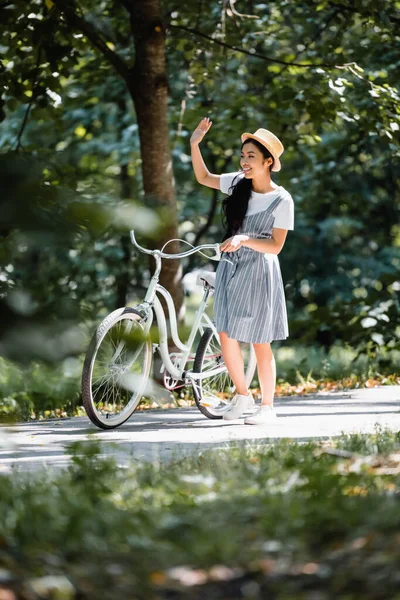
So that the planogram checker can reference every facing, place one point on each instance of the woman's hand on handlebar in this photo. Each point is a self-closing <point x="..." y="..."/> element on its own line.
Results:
<point x="200" y="131"/>
<point x="234" y="243"/>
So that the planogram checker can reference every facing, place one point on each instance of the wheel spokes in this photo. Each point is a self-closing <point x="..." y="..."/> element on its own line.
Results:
<point x="113" y="388"/>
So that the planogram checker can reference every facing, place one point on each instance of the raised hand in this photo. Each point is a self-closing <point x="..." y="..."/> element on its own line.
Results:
<point x="200" y="131"/>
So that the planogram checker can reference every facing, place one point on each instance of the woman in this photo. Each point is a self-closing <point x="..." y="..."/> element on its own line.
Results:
<point x="249" y="300"/>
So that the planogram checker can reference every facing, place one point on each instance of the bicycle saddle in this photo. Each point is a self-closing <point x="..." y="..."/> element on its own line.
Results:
<point x="206" y="277"/>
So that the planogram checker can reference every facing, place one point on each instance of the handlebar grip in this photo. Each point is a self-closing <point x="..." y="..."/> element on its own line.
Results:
<point x="218" y="251"/>
<point x="134" y="242"/>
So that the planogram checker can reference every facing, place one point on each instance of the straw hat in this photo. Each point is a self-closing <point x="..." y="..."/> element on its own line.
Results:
<point x="270" y="141"/>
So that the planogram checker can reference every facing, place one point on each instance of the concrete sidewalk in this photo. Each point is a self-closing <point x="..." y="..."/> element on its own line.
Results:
<point x="159" y="435"/>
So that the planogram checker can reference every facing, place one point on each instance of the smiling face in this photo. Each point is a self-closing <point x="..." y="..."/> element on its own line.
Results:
<point x="253" y="162"/>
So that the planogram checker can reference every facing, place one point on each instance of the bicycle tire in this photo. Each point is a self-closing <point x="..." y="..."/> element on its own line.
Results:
<point x="198" y="368"/>
<point x="97" y="418"/>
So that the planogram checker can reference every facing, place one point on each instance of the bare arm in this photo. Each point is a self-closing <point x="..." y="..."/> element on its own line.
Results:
<point x="269" y="246"/>
<point x="203" y="175"/>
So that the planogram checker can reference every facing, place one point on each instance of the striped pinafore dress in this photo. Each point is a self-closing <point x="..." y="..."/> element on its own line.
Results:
<point x="249" y="298"/>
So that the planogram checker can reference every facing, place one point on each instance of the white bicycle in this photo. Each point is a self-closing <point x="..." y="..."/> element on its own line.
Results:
<point x="116" y="371"/>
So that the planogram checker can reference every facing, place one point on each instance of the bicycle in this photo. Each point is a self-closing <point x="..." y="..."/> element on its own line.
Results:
<point x="118" y="361"/>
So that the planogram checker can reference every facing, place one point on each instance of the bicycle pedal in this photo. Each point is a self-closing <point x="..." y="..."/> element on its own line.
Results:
<point x="210" y="402"/>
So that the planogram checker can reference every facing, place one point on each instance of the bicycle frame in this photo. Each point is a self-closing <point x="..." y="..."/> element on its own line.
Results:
<point x="152" y="301"/>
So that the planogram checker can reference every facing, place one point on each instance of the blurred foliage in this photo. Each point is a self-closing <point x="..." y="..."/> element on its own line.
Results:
<point x="57" y="271"/>
<point x="291" y="518"/>
<point x="39" y="390"/>
<point x="322" y="75"/>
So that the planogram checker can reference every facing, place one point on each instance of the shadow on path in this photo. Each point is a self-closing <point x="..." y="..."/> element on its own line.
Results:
<point x="165" y="434"/>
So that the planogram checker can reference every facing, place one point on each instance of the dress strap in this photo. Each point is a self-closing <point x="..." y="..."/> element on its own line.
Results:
<point x="269" y="210"/>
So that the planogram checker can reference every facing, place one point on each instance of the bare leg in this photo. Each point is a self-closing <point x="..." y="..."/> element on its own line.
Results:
<point x="266" y="369"/>
<point x="234" y="362"/>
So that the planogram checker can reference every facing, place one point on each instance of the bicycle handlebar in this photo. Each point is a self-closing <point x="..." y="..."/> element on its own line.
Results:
<point x="215" y="247"/>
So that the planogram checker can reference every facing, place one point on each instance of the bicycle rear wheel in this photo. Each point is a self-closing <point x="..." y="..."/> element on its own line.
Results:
<point x="213" y="394"/>
<point x="116" y="368"/>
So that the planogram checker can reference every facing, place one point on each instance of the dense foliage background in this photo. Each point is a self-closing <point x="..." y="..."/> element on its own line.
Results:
<point x="322" y="75"/>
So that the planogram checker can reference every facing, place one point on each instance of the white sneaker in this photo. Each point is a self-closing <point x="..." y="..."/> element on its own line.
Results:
<point x="240" y="404"/>
<point x="264" y="415"/>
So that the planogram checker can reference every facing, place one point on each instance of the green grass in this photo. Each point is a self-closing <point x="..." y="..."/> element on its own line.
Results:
<point x="382" y="442"/>
<point x="283" y="517"/>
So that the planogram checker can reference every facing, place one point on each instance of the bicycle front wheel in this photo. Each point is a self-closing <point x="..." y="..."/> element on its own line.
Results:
<point x="116" y="368"/>
<point x="213" y="394"/>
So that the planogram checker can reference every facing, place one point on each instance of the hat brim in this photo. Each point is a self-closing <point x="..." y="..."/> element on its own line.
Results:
<point x="277" y="163"/>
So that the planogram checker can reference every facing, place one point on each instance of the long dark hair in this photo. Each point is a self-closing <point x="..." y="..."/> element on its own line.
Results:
<point x="234" y="206"/>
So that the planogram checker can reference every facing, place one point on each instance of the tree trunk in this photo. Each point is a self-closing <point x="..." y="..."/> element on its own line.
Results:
<point x="148" y="86"/>
<point x="149" y="90"/>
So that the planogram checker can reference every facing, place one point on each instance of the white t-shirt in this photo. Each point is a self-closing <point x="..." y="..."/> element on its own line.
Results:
<point x="284" y="214"/>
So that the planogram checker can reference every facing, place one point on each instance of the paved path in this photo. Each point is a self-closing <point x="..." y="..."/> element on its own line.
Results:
<point x="164" y="434"/>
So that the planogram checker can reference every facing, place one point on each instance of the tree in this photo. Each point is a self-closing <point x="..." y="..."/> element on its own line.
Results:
<point x="145" y="79"/>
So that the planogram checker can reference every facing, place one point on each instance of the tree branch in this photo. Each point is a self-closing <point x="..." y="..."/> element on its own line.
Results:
<point x="32" y="98"/>
<point x="237" y="14"/>
<point x="93" y="36"/>
<point x="254" y="54"/>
